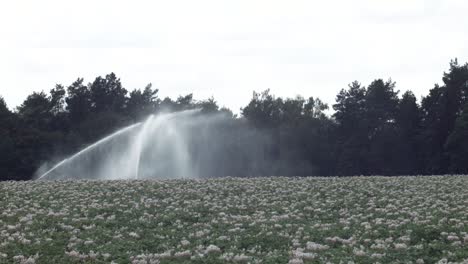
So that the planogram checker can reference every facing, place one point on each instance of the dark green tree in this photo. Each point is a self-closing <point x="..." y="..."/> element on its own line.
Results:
<point x="372" y="131"/>
<point x="181" y="103"/>
<point x="408" y="124"/>
<point x="36" y="110"/>
<point x="184" y="102"/>
<point x="9" y="159"/>
<point x="381" y="103"/>
<point x="36" y="137"/>
<point x="208" y="106"/>
<point x="78" y="102"/>
<point x="142" y="103"/>
<point x="299" y="130"/>
<point x="352" y="144"/>
<point x="441" y="108"/>
<point x="263" y="110"/>
<point x="315" y="108"/>
<point x="350" y="108"/>
<point x="457" y="144"/>
<point x="108" y="95"/>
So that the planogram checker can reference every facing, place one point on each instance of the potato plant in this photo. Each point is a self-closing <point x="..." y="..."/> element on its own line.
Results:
<point x="236" y="220"/>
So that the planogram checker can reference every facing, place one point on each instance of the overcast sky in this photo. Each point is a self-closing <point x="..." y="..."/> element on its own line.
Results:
<point x="227" y="49"/>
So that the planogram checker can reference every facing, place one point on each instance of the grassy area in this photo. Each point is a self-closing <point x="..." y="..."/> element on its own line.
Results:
<point x="262" y="220"/>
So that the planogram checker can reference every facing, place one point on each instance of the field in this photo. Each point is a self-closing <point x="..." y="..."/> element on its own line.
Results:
<point x="261" y="220"/>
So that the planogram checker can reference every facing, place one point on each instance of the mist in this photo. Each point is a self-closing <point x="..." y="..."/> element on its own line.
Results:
<point x="186" y="144"/>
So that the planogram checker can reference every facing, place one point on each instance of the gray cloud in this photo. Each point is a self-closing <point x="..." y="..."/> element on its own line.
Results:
<point x="227" y="49"/>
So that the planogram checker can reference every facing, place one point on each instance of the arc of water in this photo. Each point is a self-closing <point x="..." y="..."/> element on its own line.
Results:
<point x="121" y="131"/>
<point x="149" y="125"/>
<point x="183" y="157"/>
<point x="139" y="143"/>
<point x="140" y="140"/>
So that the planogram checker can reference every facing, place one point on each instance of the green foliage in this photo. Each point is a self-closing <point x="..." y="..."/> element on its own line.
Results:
<point x="372" y="129"/>
<point x="408" y="128"/>
<point x="263" y="110"/>
<point x="142" y="103"/>
<point x="107" y="94"/>
<point x="441" y="108"/>
<point x="267" y="219"/>
<point x="457" y="144"/>
<point x="301" y="132"/>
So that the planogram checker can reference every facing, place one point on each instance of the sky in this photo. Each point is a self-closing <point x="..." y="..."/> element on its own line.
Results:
<point x="228" y="49"/>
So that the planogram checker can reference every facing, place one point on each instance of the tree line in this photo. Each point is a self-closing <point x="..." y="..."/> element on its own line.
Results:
<point x="374" y="130"/>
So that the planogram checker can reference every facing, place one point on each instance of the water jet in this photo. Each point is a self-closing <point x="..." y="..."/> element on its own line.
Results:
<point x="161" y="138"/>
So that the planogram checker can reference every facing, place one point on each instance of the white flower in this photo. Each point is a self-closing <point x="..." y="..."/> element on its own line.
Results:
<point x="212" y="249"/>
<point x="241" y="258"/>
<point x="442" y="261"/>
<point x="73" y="253"/>
<point x="401" y="246"/>
<point x="316" y="247"/>
<point x="296" y="261"/>
<point x="93" y="255"/>
<point x="377" y="255"/>
<point x="359" y="252"/>
<point x="183" y="254"/>
<point x="133" y="234"/>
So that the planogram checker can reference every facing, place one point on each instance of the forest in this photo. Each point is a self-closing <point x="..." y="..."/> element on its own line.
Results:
<point x="373" y="129"/>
